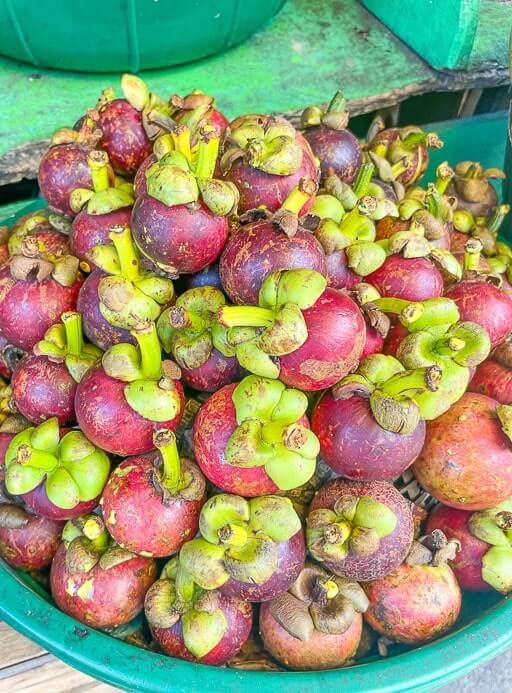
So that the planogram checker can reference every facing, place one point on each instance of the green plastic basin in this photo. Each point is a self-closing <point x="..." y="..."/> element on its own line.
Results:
<point x="120" y="35"/>
<point x="483" y="630"/>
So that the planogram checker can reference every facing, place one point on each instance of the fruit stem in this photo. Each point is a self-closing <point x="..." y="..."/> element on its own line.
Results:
<point x="94" y="530"/>
<point x="207" y="151"/>
<point x="444" y="174"/>
<point x="98" y="164"/>
<point x="399" y="167"/>
<point x="395" y="305"/>
<point x="498" y="215"/>
<point x="245" y="316"/>
<point x="233" y="535"/>
<point x="181" y="319"/>
<point x="73" y="327"/>
<point x="298" y="196"/>
<point x="35" y="458"/>
<point x="150" y="352"/>
<point x="472" y="251"/>
<point x="165" y="442"/>
<point x="337" y="104"/>
<point x="121" y="237"/>
<point x="181" y="139"/>
<point x="363" y="179"/>
<point x="417" y="379"/>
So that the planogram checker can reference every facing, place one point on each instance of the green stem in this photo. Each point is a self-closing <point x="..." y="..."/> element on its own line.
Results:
<point x="73" y="328"/>
<point x="472" y="251"/>
<point x="394" y="305"/>
<point x="413" y="139"/>
<point x="181" y="139"/>
<point x="94" y="530"/>
<point x="351" y="223"/>
<point x="417" y="379"/>
<point x="380" y="149"/>
<point x="35" y="458"/>
<point x="449" y="346"/>
<point x="433" y="200"/>
<point x="245" y="316"/>
<point x="363" y="179"/>
<point x="165" y="442"/>
<point x="98" y="164"/>
<point x="497" y="217"/>
<point x="399" y="167"/>
<point x="296" y="200"/>
<point x="121" y="237"/>
<point x="182" y="319"/>
<point x="150" y="352"/>
<point x="207" y="152"/>
<point x="233" y="535"/>
<point x="444" y="174"/>
<point x="337" y="104"/>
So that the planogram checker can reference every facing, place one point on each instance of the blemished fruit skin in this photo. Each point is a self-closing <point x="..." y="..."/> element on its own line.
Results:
<point x="494" y="380"/>
<point x="185" y="237"/>
<point x="90" y="230"/>
<point x="339" y="151"/>
<point x="106" y="418"/>
<point x="339" y="275"/>
<point x="486" y="305"/>
<point x="355" y="446"/>
<point x="256" y="250"/>
<point x="33" y="546"/>
<point x="291" y="558"/>
<point x="466" y="462"/>
<point x="238" y="614"/>
<point x="97" y="329"/>
<point x="258" y="188"/>
<point x="413" y="279"/>
<point x="138" y="518"/>
<point x="467" y="564"/>
<point x="392" y="549"/>
<point x="42" y="388"/>
<point x="414" y="604"/>
<point x="124" y="138"/>
<point x="217" y="371"/>
<point x="213" y="426"/>
<point x="102" y="598"/>
<point x="28" y="307"/>
<point x="336" y="339"/>
<point x="321" y="651"/>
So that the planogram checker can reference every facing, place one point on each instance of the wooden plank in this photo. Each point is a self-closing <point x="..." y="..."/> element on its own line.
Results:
<point x="15" y="648"/>
<point x="54" y="677"/>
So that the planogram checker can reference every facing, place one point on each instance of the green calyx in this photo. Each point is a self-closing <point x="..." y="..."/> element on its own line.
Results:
<point x="269" y="433"/>
<point x="176" y="597"/>
<point x="190" y="329"/>
<point x="393" y="392"/>
<point x="277" y="326"/>
<point x="30" y="262"/>
<point x="355" y="525"/>
<point x="176" y="476"/>
<point x="74" y="470"/>
<point x="130" y="294"/>
<point x="103" y="198"/>
<point x="89" y="544"/>
<point x="14" y="237"/>
<point x="150" y="388"/>
<point x="239" y="539"/>
<point x="63" y="343"/>
<point x="269" y="146"/>
<point x="318" y="601"/>
<point x="156" y="113"/>
<point x="494" y="526"/>
<point x="335" y="116"/>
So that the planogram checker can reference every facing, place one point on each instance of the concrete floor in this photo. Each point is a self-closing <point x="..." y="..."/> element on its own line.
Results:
<point x="495" y="676"/>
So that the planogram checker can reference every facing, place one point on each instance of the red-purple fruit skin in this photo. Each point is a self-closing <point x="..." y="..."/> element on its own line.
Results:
<point x="42" y="388"/>
<point x="339" y="275"/>
<point x="392" y="549"/>
<point x="187" y="237"/>
<point x="339" y="151"/>
<point x="33" y="546"/>
<point x="98" y="330"/>
<point x="355" y="446"/>
<point x="467" y="564"/>
<point x="413" y="279"/>
<point x="466" y="461"/>
<point x="37" y="500"/>
<point x="62" y="169"/>
<point x="494" y="380"/>
<point x="139" y="182"/>
<point x="256" y="250"/>
<point x="336" y="338"/>
<point x="374" y="343"/>
<point x="321" y="651"/>
<point x="290" y="561"/>
<point x="113" y="597"/>
<point x="219" y="370"/>
<point x="396" y="335"/>
<point x="238" y="614"/>
<point x="28" y="308"/>
<point x="124" y="138"/>
<point x="213" y="426"/>
<point x="138" y="518"/>
<point x="107" y="419"/>
<point x="414" y="604"/>
<point x="486" y="305"/>
<point x="258" y="188"/>
<point x="89" y="230"/>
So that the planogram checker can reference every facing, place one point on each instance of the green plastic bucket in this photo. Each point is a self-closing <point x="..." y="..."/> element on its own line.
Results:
<point x="125" y="35"/>
<point x="483" y="630"/>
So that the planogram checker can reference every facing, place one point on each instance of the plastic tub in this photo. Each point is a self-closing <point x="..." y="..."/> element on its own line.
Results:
<point x="117" y="35"/>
